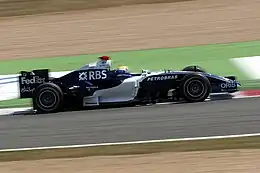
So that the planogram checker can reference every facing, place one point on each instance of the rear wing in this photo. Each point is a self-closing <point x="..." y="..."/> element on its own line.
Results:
<point x="29" y="81"/>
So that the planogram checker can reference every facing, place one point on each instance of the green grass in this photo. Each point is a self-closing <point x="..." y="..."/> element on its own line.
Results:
<point x="214" y="58"/>
<point x="131" y="149"/>
<point x="13" y="103"/>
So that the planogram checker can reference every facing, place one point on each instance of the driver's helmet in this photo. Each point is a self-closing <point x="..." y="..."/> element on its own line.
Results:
<point x="104" y="62"/>
<point x="123" y="69"/>
<point x="105" y="58"/>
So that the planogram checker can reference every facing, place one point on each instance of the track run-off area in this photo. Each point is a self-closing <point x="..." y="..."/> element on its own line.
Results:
<point x="155" y="122"/>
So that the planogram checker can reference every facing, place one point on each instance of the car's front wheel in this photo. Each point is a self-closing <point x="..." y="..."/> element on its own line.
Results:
<point x="195" y="88"/>
<point x="48" y="98"/>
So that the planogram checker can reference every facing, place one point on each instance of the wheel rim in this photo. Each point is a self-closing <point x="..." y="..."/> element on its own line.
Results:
<point x="47" y="99"/>
<point x="195" y="88"/>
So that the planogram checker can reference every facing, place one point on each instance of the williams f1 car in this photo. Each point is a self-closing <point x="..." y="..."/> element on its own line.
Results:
<point x="88" y="87"/>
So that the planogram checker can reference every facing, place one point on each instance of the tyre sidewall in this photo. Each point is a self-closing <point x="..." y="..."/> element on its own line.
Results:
<point x="195" y="77"/>
<point x="52" y="89"/>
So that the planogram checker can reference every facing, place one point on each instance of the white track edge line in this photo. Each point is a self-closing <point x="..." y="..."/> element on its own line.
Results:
<point x="133" y="142"/>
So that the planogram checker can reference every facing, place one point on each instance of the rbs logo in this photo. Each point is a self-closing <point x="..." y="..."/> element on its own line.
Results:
<point x="93" y="75"/>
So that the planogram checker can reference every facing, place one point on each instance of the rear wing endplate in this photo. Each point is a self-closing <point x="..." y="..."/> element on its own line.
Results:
<point x="29" y="81"/>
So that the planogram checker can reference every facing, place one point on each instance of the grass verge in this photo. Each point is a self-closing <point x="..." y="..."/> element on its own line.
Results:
<point x="184" y="146"/>
<point x="15" y="103"/>
<point x="214" y="58"/>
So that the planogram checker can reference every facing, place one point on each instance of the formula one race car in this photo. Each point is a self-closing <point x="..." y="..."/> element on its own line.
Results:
<point x="93" y="85"/>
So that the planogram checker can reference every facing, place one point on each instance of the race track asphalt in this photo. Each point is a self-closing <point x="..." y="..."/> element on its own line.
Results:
<point x="237" y="116"/>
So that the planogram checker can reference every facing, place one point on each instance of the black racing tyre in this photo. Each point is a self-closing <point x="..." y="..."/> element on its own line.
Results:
<point x="195" y="88"/>
<point x="48" y="98"/>
<point x="194" y="68"/>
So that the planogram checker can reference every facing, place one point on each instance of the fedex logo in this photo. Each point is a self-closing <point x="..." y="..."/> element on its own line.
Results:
<point x="34" y="80"/>
<point x="93" y="75"/>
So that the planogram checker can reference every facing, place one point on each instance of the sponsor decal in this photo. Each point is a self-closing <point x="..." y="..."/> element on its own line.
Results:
<point x="27" y="89"/>
<point x="159" y="78"/>
<point x="33" y="80"/>
<point x="92" y="75"/>
<point x="92" y="87"/>
<point x="227" y="85"/>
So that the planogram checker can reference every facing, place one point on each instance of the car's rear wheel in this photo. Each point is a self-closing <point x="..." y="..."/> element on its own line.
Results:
<point x="195" y="88"/>
<point x="48" y="98"/>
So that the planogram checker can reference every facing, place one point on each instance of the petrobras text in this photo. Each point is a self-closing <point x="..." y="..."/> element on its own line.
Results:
<point x="33" y="80"/>
<point x="156" y="78"/>
<point x="93" y="75"/>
